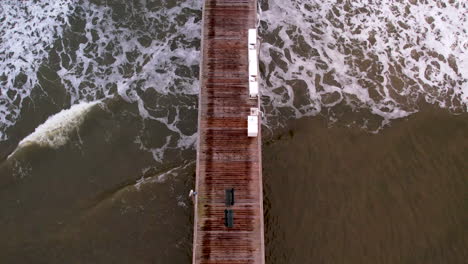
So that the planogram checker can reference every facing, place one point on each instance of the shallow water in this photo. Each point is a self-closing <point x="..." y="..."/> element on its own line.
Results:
<point x="341" y="195"/>
<point x="98" y="199"/>
<point x="98" y="114"/>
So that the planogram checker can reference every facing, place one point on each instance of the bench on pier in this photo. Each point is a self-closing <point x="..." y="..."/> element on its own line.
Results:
<point x="229" y="218"/>
<point x="230" y="197"/>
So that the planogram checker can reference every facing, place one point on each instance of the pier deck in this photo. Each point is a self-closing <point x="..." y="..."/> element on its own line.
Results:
<point x="226" y="157"/>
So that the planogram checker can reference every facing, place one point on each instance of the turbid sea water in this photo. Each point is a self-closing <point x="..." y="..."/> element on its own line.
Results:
<point x="366" y="130"/>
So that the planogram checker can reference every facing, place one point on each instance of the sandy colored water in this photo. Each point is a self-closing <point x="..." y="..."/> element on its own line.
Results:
<point x="340" y="195"/>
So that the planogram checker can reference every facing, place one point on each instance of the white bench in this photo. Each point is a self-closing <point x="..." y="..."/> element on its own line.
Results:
<point x="253" y="87"/>
<point x="253" y="38"/>
<point x="252" y="122"/>
<point x="253" y="63"/>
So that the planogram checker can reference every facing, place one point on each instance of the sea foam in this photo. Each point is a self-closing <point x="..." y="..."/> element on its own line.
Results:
<point x="160" y="53"/>
<point x="385" y="56"/>
<point x="157" y="57"/>
<point x="28" y="30"/>
<point x="149" y="57"/>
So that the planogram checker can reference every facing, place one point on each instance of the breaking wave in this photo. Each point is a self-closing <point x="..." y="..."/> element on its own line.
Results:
<point x="56" y="131"/>
<point x="146" y="53"/>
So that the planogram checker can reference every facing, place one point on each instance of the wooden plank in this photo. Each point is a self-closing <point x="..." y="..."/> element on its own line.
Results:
<point x="226" y="157"/>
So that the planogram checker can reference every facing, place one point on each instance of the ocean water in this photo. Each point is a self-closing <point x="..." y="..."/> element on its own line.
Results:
<point x="98" y="125"/>
<point x="379" y="60"/>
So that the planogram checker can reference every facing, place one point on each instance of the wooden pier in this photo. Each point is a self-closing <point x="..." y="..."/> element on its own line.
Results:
<point x="227" y="159"/>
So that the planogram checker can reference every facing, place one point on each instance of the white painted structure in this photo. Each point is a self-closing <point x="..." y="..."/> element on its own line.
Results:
<point x="253" y="63"/>
<point x="252" y="126"/>
<point x="253" y="87"/>
<point x="252" y="122"/>
<point x="253" y="38"/>
<point x="252" y="119"/>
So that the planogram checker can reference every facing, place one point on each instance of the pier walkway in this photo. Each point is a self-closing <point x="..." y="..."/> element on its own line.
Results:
<point x="228" y="225"/>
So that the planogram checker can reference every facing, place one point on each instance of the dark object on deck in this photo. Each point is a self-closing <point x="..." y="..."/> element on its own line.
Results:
<point x="230" y="197"/>
<point x="229" y="218"/>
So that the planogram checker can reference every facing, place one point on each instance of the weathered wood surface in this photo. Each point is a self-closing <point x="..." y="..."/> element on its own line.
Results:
<point x="226" y="157"/>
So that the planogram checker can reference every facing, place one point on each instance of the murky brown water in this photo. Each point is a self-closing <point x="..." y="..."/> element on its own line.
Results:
<point x="332" y="195"/>
<point x="89" y="202"/>
<point x="340" y="195"/>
